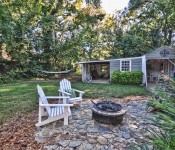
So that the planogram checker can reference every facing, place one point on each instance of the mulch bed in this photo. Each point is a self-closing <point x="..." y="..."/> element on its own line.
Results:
<point x="19" y="134"/>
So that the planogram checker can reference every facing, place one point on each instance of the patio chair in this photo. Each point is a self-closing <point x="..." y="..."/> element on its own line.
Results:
<point x="66" y="90"/>
<point x="53" y="111"/>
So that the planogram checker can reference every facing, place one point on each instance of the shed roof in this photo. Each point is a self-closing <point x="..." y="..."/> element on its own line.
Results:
<point x="152" y="55"/>
<point x="156" y="54"/>
<point x="161" y="48"/>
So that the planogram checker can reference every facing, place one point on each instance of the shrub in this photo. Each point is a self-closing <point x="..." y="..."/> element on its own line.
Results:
<point x="134" y="77"/>
<point x="11" y="71"/>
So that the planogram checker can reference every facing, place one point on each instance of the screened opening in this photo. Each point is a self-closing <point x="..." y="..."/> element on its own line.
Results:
<point x="98" y="70"/>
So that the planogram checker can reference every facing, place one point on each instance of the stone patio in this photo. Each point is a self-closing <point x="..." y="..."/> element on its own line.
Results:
<point x="83" y="133"/>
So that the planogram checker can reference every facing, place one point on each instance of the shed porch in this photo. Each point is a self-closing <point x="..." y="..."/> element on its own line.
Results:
<point x="157" y="66"/>
<point x="98" y="70"/>
<point x="162" y="60"/>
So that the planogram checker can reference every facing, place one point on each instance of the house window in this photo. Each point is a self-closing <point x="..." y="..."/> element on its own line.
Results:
<point x="125" y="65"/>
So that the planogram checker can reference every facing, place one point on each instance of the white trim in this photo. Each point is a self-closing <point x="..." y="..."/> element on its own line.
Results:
<point x="158" y="58"/>
<point x="121" y="65"/>
<point x="130" y="58"/>
<point x="144" y="70"/>
<point x="95" y="61"/>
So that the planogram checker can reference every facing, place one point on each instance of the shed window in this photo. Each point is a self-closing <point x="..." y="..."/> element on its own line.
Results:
<point x="125" y="65"/>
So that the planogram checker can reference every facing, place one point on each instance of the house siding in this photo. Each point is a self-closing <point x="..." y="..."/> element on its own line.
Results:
<point x="156" y="54"/>
<point x="114" y="66"/>
<point x="136" y="64"/>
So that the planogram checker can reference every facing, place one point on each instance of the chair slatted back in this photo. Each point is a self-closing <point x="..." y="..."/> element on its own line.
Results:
<point x="43" y="98"/>
<point x="65" y="85"/>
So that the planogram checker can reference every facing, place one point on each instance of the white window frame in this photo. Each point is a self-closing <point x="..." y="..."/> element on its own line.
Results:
<point x="121" y="64"/>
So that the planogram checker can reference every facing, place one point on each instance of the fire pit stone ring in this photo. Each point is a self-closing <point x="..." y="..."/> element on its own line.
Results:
<point x="108" y="112"/>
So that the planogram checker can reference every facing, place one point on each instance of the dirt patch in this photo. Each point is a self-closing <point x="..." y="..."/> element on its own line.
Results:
<point x="19" y="133"/>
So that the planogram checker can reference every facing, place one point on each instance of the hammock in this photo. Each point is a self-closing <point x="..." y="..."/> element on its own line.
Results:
<point x="59" y="72"/>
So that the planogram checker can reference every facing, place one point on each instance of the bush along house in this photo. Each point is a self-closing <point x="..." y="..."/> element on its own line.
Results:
<point x="152" y="65"/>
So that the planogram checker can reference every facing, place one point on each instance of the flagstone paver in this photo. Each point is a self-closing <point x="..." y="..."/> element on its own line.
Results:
<point x="85" y="133"/>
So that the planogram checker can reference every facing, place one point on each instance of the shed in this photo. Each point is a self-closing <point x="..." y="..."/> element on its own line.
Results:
<point x="151" y="64"/>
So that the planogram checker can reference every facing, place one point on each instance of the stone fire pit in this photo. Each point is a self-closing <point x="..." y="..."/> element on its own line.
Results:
<point x="108" y="112"/>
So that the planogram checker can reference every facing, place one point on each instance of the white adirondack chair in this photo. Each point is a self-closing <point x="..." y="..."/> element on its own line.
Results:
<point x="53" y="111"/>
<point x="66" y="85"/>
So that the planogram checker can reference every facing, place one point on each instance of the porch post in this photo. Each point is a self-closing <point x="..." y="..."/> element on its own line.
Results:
<point x="144" y="70"/>
<point x="83" y="72"/>
<point x="171" y="74"/>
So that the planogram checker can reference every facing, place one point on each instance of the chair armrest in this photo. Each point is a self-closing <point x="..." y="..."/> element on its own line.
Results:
<point x="79" y="91"/>
<point x="54" y="105"/>
<point x="56" y="97"/>
<point x="65" y="92"/>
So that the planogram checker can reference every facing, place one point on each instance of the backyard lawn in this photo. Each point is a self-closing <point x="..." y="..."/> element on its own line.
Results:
<point x="20" y="98"/>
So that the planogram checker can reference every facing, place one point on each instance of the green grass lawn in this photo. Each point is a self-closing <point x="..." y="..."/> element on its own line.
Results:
<point x="20" y="98"/>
